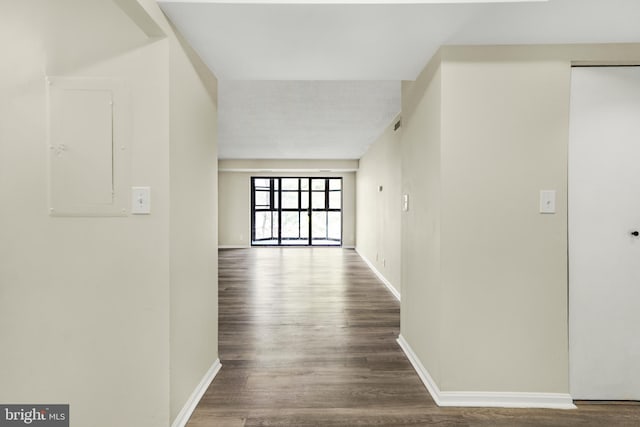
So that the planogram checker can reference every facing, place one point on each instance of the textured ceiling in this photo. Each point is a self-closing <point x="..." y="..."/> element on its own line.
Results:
<point x="251" y="40"/>
<point x="303" y="119"/>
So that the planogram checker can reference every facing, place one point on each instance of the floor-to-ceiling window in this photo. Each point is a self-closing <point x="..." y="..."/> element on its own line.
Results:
<point x="296" y="211"/>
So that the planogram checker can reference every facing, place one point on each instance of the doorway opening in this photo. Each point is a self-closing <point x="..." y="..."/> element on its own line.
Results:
<point x="296" y="211"/>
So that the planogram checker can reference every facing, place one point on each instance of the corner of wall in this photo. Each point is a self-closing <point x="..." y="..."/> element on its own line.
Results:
<point x="413" y="91"/>
<point x="421" y="182"/>
<point x="193" y="338"/>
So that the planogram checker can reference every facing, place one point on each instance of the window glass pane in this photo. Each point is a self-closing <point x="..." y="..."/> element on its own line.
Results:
<point x="317" y="200"/>
<point x="290" y="225"/>
<point x="318" y="184"/>
<point x="289" y="183"/>
<point x="319" y="225"/>
<point x="304" y="202"/>
<point x="274" y="221"/>
<point x="304" y="183"/>
<point x="264" y="226"/>
<point x="334" y="229"/>
<point x="276" y="183"/>
<point x="304" y="224"/>
<point x="289" y="200"/>
<point x="335" y="199"/>
<point x="335" y="184"/>
<point x="276" y="199"/>
<point x="262" y="199"/>
<point x="262" y="183"/>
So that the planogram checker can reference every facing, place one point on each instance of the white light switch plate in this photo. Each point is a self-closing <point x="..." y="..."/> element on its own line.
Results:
<point x="405" y="202"/>
<point x="141" y="200"/>
<point x="548" y="201"/>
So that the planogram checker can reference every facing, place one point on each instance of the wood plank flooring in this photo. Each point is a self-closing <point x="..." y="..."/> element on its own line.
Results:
<point x="307" y="338"/>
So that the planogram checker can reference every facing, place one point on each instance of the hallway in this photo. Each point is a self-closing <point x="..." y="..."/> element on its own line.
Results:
<point x="307" y="337"/>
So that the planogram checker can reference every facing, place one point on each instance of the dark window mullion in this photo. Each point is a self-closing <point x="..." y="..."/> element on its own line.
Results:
<point x="271" y="204"/>
<point x="326" y="193"/>
<point x="253" y="210"/>
<point x="326" y="206"/>
<point x="309" y="212"/>
<point x="271" y="194"/>
<point x="299" y="207"/>
<point x="279" y="211"/>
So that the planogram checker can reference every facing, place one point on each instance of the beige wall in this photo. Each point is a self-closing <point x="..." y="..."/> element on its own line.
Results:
<point x="420" y="322"/>
<point x="85" y="303"/>
<point x="234" y="201"/>
<point x="193" y="217"/>
<point x="497" y="286"/>
<point x="378" y="212"/>
<point x="504" y="265"/>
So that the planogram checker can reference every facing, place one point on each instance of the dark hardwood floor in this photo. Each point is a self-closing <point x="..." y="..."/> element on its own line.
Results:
<point x="308" y="338"/>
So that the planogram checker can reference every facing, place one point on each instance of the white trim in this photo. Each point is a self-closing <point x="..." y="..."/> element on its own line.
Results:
<point x="234" y="247"/>
<point x="484" y="399"/>
<point x="383" y="279"/>
<point x="187" y="410"/>
<point x="422" y="372"/>
<point x="348" y="247"/>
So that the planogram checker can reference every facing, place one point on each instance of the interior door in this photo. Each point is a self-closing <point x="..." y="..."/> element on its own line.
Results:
<point x="604" y="249"/>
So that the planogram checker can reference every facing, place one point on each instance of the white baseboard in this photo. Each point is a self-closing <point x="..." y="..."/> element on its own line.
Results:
<point x="185" y="413"/>
<point x="484" y="399"/>
<point x="422" y="372"/>
<point x="383" y="279"/>
<point x="348" y="247"/>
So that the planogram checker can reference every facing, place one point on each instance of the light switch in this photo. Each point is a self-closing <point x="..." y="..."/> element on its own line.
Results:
<point x="141" y="200"/>
<point x="548" y="201"/>
<point x="405" y="202"/>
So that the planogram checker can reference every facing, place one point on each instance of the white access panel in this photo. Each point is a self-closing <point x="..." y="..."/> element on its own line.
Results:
<point x="604" y="255"/>
<point x="88" y="147"/>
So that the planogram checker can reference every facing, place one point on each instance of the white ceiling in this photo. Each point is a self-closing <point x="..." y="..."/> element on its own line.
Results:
<point x="254" y="40"/>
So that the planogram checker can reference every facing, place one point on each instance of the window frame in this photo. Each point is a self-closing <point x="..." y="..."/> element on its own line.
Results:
<point x="275" y="207"/>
